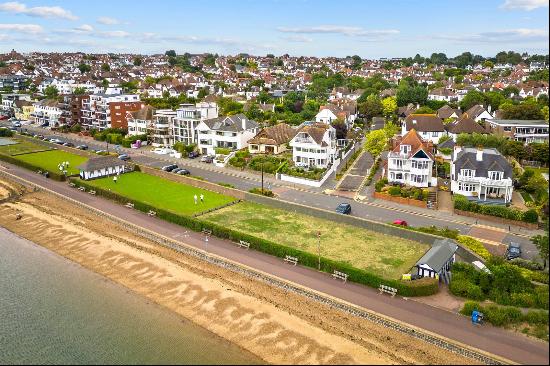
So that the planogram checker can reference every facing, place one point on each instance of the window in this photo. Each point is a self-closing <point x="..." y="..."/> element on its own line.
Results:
<point x="507" y="128"/>
<point x="405" y="149"/>
<point x="495" y="175"/>
<point x="435" y="134"/>
<point x="468" y="173"/>
<point x="398" y="163"/>
<point x="466" y="187"/>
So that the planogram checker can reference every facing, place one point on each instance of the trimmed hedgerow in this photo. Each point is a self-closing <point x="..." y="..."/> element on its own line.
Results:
<point x="463" y="204"/>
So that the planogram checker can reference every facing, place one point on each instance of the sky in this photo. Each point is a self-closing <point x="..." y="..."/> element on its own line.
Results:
<point x="368" y="28"/>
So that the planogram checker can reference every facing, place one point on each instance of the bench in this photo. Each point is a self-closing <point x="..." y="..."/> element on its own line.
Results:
<point x="82" y="189"/>
<point x="387" y="289"/>
<point x="244" y="244"/>
<point x="291" y="260"/>
<point x="206" y="232"/>
<point x="152" y="213"/>
<point x="92" y="193"/>
<point x="340" y="276"/>
<point x="129" y="205"/>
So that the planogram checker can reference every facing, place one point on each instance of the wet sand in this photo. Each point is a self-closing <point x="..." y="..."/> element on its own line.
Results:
<point x="275" y="325"/>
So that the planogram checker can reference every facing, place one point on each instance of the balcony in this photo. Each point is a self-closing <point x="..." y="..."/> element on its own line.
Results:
<point x="486" y="181"/>
<point x="301" y="140"/>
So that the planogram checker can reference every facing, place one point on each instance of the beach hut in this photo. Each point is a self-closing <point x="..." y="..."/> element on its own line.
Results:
<point x="102" y="166"/>
<point x="438" y="260"/>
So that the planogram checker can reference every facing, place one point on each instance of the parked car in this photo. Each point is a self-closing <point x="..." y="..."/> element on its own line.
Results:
<point x="183" y="172"/>
<point x="68" y="144"/>
<point x="193" y="155"/>
<point x="513" y="251"/>
<point x="176" y="170"/>
<point x="16" y="124"/>
<point x="161" y="151"/>
<point x="2" y="117"/>
<point x="207" y="159"/>
<point x="344" y="208"/>
<point x="101" y="152"/>
<point x="82" y="147"/>
<point x="124" y="157"/>
<point x="400" y="222"/>
<point x="169" y="168"/>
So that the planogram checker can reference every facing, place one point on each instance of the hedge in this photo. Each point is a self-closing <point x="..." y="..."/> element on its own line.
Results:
<point x="421" y="287"/>
<point x="506" y="315"/>
<point x="32" y="167"/>
<point x="463" y="204"/>
<point x="474" y="245"/>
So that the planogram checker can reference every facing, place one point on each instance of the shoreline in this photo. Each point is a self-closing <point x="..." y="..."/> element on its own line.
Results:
<point x="256" y="317"/>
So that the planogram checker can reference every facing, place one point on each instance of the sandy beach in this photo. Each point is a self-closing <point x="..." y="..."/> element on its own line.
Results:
<point x="277" y="326"/>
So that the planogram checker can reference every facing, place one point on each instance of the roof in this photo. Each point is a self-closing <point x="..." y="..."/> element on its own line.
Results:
<point x="276" y="135"/>
<point x="231" y="123"/>
<point x="492" y="160"/>
<point x="475" y="111"/>
<point x="101" y="162"/>
<point x="448" y="144"/>
<point x="446" y="111"/>
<point x="315" y="130"/>
<point x="517" y="122"/>
<point x="424" y="123"/>
<point x="144" y="114"/>
<point x="413" y="139"/>
<point x="465" y="125"/>
<point x="439" y="254"/>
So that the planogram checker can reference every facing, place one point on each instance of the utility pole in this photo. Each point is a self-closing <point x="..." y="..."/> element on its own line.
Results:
<point x="319" y="248"/>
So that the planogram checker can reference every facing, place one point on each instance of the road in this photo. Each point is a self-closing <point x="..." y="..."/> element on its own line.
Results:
<point x="498" y="341"/>
<point x="309" y="196"/>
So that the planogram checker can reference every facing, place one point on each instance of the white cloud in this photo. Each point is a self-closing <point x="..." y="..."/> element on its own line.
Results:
<point x="113" y="34"/>
<point x="524" y="4"/>
<point x="108" y="21"/>
<point x="338" y="29"/>
<point x="509" y="35"/>
<point x="298" y="38"/>
<point x="15" y="7"/>
<point x="22" y="28"/>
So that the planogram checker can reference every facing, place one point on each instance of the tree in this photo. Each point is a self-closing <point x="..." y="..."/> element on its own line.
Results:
<point x="389" y="106"/>
<point x="438" y="58"/>
<point x="488" y="64"/>
<point x="105" y="67"/>
<point x="473" y="97"/>
<point x="424" y="110"/>
<point x="407" y="94"/>
<point x="84" y="68"/>
<point x="340" y="127"/>
<point x="138" y="61"/>
<point x="203" y="92"/>
<point x="544" y="112"/>
<point x="170" y="53"/>
<point x="79" y="90"/>
<point x="357" y="62"/>
<point x="376" y="142"/>
<point x="51" y="92"/>
<point x="372" y="107"/>
<point x="523" y="111"/>
<point x="541" y="242"/>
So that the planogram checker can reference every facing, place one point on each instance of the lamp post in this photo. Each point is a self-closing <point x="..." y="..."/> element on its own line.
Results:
<point x="319" y="248"/>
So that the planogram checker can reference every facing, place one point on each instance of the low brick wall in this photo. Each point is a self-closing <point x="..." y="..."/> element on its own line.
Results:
<point x="194" y="182"/>
<point x="499" y="220"/>
<point x="401" y="200"/>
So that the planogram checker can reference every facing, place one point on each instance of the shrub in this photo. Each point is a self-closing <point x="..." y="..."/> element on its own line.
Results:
<point x="463" y="204"/>
<point x="264" y="192"/>
<point x="6" y="132"/>
<point x="228" y="185"/>
<point x="525" y="263"/>
<point x="380" y="184"/>
<point x="395" y="191"/>
<point x="505" y="315"/>
<point x="464" y="288"/>
<point x="222" y="151"/>
<point x="474" y="245"/>
<point x="541" y="277"/>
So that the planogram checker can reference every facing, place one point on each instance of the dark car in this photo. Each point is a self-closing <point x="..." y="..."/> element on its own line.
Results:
<point x="513" y="251"/>
<point x="68" y="144"/>
<point x="82" y="147"/>
<point x="169" y="168"/>
<point x="183" y="172"/>
<point x="124" y="157"/>
<point x="344" y="208"/>
<point x="193" y="155"/>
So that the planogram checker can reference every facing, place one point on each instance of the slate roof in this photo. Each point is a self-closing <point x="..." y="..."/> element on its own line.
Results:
<point x="492" y="160"/>
<point x="446" y="111"/>
<point x="465" y="125"/>
<point x="424" y="123"/>
<point x="101" y="162"/>
<point x="475" y="111"/>
<point x="231" y="123"/>
<point x="276" y="135"/>
<point x="439" y="254"/>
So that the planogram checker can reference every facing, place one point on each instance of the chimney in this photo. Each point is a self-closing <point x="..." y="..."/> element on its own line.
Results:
<point x="243" y="121"/>
<point x="458" y="149"/>
<point x="479" y="154"/>
<point x="489" y="109"/>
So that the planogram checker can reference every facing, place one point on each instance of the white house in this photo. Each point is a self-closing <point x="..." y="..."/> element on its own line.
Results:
<point x="102" y="166"/>
<point x="188" y="117"/>
<point x="325" y="115"/>
<point x="429" y="126"/>
<point x="479" y="113"/>
<point x="411" y="160"/>
<point x="46" y="112"/>
<point x="481" y="173"/>
<point x="437" y="261"/>
<point x="232" y="132"/>
<point x="443" y="94"/>
<point x="314" y="145"/>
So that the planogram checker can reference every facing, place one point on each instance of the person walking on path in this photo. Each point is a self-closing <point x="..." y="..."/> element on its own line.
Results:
<point x="115" y="179"/>
<point x="202" y="198"/>
<point x="195" y="197"/>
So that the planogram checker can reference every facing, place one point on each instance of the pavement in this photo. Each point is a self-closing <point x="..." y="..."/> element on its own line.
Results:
<point x="356" y="175"/>
<point x="373" y="209"/>
<point x="498" y="341"/>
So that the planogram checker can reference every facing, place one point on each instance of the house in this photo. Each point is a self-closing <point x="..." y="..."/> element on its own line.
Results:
<point x="271" y="140"/>
<point x="527" y="131"/>
<point x="23" y="109"/>
<point x="464" y="125"/>
<point x="447" y="112"/>
<point x="188" y="117"/>
<point x="429" y="126"/>
<point x="108" y="110"/>
<point x="411" y="160"/>
<point x="231" y="132"/>
<point x="314" y="145"/>
<point x="437" y="261"/>
<point x="479" y="113"/>
<point x="481" y="174"/>
<point x="102" y="166"/>
<point x="46" y="112"/>
<point x="442" y="94"/>
<point x="326" y="115"/>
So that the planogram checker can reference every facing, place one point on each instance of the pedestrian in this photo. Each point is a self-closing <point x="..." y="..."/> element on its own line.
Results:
<point x="202" y="198"/>
<point x="195" y="197"/>
<point x="114" y="179"/>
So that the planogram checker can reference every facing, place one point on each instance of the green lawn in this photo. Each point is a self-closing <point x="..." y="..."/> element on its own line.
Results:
<point x="22" y="147"/>
<point x="385" y="255"/>
<point x="162" y="193"/>
<point x="50" y="160"/>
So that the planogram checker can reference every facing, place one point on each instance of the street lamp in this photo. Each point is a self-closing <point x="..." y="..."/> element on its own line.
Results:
<point x="319" y="248"/>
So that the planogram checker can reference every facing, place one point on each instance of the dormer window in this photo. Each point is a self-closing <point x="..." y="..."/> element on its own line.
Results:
<point x="405" y="149"/>
<point x="496" y="175"/>
<point x="468" y="173"/>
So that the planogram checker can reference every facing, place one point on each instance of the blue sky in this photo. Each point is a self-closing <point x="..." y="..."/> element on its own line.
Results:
<point x="371" y="29"/>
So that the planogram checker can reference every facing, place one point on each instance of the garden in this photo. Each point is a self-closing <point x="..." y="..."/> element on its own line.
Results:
<point x="396" y="190"/>
<point x="463" y="204"/>
<point x="384" y="255"/>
